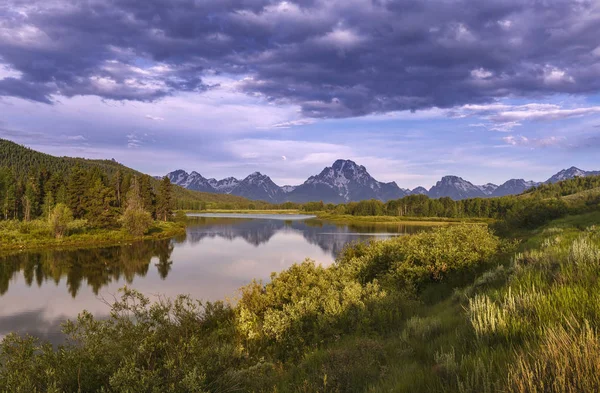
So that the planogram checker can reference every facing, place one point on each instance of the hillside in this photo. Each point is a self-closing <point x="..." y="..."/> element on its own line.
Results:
<point x="564" y="188"/>
<point x="22" y="161"/>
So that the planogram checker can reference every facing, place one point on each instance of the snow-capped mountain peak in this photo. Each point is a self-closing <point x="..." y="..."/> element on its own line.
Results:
<point x="456" y="188"/>
<point x="351" y="182"/>
<point x="193" y="181"/>
<point x="418" y="191"/>
<point x="566" y="174"/>
<point x="224" y="185"/>
<point x="488" y="188"/>
<point x="258" y="187"/>
<point x="346" y="181"/>
<point x="288" y="188"/>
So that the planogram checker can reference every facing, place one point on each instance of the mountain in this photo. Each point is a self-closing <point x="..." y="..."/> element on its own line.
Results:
<point x="344" y="181"/>
<point x="456" y="188"/>
<point x="513" y="187"/>
<point x="347" y="181"/>
<point x="571" y="173"/>
<point x="288" y="188"/>
<point x="488" y="189"/>
<point x="193" y="181"/>
<point x="258" y="187"/>
<point x="224" y="185"/>
<point x="418" y="191"/>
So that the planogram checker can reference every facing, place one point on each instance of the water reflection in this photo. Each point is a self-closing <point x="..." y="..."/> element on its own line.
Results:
<point x="216" y="256"/>
<point x="331" y="238"/>
<point x="97" y="266"/>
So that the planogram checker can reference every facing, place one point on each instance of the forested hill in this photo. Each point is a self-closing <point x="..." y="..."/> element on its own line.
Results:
<point x="23" y="160"/>
<point x="564" y="188"/>
<point x="24" y="163"/>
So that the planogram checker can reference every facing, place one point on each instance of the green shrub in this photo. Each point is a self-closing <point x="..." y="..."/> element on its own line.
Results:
<point x="302" y="306"/>
<point x="423" y="257"/>
<point x="59" y="220"/>
<point x="165" y="346"/>
<point x="136" y="221"/>
<point x="432" y="255"/>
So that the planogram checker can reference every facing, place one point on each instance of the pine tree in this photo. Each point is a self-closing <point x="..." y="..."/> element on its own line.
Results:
<point x="77" y="192"/>
<point x="101" y="211"/>
<point x="10" y="203"/>
<point x="117" y="183"/>
<point x="31" y="203"/>
<point x="164" y="200"/>
<point x="147" y="194"/>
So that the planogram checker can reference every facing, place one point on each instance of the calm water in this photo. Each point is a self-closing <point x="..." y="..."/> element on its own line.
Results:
<point x="217" y="255"/>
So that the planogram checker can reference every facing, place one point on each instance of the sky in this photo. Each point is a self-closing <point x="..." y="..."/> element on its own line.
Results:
<point x="411" y="89"/>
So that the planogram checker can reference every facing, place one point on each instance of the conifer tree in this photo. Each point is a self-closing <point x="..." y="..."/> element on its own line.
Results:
<point x="10" y="203"/>
<point x="77" y="192"/>
<point x="147" y="194"/>
<point x="101" y="211"/>
<point x="117" y="183"/>
<point x="164" y="200"/>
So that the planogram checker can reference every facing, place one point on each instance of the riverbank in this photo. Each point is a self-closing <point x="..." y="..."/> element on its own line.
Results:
<point x="345" y="218"/>
<point x="16" y="236"/>
<point x="248" y="211"/>
<point x="349" y="219"/>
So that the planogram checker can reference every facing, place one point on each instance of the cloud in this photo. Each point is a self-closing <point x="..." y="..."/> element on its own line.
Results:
<point x="330" y="59"/>
<point x="505" y="117"/>
<point x="293" y="123"/>
<point x="521" y="140"/>
<point x="134" y="141"/>
<point x="75" y="137"/>
<point x="155" y="118"/>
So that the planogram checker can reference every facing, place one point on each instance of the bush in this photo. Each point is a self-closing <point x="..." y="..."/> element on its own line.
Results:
<point x="301" y="307"/>
<point x="59" y="220"/>
<point x="136" y="221"/>
<point x="423" y="257"/>
<point x="166" y="346"/>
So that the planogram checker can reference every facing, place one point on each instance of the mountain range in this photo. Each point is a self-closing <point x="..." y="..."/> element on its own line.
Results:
<point x="347" y="181"/>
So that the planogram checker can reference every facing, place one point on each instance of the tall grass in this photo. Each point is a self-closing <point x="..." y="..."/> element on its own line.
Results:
<point x="566" y="361"/>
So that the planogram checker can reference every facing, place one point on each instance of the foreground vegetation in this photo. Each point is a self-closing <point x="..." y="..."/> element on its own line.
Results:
<point x="454" y="309"/>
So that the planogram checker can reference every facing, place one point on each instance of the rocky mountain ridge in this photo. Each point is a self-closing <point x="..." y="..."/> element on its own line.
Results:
<point x="346" y="181"/>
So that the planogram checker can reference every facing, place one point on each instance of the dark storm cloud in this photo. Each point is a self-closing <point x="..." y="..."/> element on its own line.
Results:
<point x="335" y="58"/>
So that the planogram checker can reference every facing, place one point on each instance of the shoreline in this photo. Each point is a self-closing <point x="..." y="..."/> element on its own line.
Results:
<point x="349" y="219"/>
<point x="97" y="238"/>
